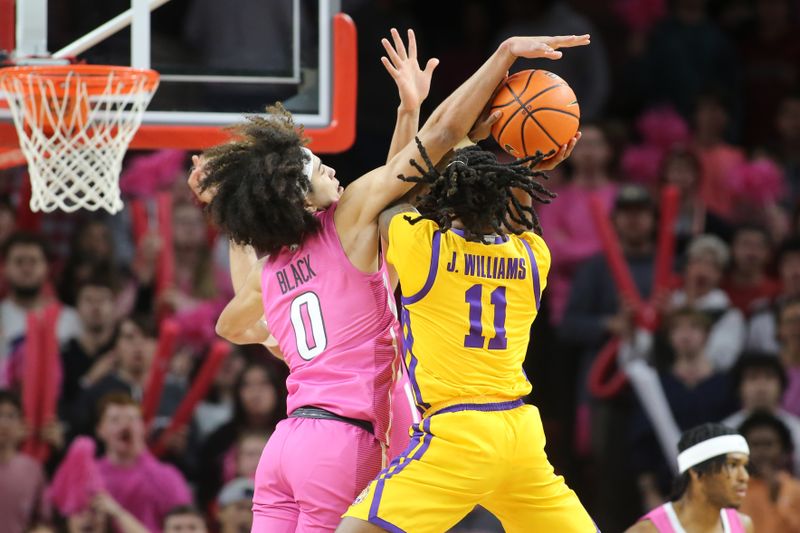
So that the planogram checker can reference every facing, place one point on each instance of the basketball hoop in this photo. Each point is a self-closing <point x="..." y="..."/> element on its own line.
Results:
<point x="74" y="124"/>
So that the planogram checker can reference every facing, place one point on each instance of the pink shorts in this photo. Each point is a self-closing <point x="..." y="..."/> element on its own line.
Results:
<point x="310" y="472"/>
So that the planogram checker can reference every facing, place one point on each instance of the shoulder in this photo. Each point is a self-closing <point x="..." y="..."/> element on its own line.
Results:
<point x="404" y="225"/>
<point x="643" y="526"/>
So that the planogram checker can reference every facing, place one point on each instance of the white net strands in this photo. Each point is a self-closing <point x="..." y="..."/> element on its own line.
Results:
<point x="74" y="127"/>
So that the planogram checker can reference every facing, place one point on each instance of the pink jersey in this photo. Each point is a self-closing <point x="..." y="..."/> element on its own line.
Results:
<point x="337" y="328"/>
<point x="666" y="521"/>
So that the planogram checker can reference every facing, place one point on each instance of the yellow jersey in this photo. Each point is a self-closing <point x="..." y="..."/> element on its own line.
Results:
<point x="467" y="311"/>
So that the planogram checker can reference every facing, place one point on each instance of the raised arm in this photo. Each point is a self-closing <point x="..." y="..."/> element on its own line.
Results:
<point x="452" y="120"/>
<point x="413" y="85"/>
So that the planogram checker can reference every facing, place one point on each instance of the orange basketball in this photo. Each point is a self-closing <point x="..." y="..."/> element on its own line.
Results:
<point x="540" y="112"/>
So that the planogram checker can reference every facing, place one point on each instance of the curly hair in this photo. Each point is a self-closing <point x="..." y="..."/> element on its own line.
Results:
<point x="475" y="188"/>
<point x="713" y="465"/>
<point x="260" y="188"/>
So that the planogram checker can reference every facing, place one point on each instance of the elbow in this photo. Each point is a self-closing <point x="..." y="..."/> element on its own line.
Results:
<point x="443" y="135"/>
<point x="224" y="330"/>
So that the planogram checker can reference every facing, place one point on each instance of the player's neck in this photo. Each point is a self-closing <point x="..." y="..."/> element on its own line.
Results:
<point x="696" y="513"/>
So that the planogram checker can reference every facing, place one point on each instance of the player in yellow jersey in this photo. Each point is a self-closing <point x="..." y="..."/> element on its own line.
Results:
<point x="472" y="267"/>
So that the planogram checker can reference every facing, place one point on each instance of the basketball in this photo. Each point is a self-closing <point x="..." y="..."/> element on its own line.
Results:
<point x="540" y="113"/>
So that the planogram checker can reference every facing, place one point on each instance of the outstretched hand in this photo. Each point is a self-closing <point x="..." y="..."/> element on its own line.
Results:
<point x="563" y="153"/>
<point x="413" y="83"/>
<point x="544" y="47"/>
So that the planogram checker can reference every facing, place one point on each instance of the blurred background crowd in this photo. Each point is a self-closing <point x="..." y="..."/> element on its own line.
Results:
<point x="701" y="97"/>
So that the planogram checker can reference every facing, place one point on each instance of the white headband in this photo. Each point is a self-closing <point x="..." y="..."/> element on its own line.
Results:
<point x="308" y="168"/>
<point x="703" y="451"/>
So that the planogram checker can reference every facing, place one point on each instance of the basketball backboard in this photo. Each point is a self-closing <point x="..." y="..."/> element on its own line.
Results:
<point x="218" y="60"/>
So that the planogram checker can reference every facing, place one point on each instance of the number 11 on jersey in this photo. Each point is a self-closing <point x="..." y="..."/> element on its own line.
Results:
<point x="475" y="339"/>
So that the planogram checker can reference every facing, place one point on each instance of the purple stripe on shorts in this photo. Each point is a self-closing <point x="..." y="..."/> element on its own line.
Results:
<point x="434" y="266"/>
<point x="486" y="407"/>
<point x="537" y="293"/>
<point x="497" y="238"/>
<point x="426" y="436"/>
<point x="386" y="525"/>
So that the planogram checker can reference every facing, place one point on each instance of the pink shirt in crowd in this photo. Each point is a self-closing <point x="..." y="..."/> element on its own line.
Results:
<point x="22" y="487"/>
<point x="148" y="489"/>
<point x="570" y="234"/>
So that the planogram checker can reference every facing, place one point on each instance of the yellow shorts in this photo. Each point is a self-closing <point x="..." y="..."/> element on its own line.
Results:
<point x="490" y="455"/>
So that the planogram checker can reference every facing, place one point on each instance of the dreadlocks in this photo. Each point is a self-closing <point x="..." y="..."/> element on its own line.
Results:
<point x="479" y="191"/>
<point x="260" y="185"/>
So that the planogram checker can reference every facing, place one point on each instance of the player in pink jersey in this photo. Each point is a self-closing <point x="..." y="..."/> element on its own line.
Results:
<point x="324" y="291"/>
<point x="712" y="484"/>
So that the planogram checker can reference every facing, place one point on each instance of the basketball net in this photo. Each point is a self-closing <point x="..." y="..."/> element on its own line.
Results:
<point x="74" y="125"/>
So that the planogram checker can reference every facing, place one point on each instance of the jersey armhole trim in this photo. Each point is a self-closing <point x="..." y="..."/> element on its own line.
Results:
<point x="537" y="293"/>
<point x="434" y="266"/>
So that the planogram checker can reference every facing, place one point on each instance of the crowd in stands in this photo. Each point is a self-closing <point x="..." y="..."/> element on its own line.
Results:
<point x="700" y="98"/>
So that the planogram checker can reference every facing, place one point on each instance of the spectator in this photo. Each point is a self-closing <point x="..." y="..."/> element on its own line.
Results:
<point x="26" y="272"/>
<point x="748" y="285"/>
<point x="789" y="338"/>
<point x="234" y="505"/>
<point x="85" y="359"/>
<point x="568" y="224"/>
<point x="200" y="290"/>
<point x="185" y="519"/>
<point x="707" y="257"/>
<point x="91" y="249"/>
<point x="594" y="311"/>
<point x="694" y="391"/>
<point x="8" y="225"/>
<point x="141" y="484"/>
<point x="594" y="314"/>
<point x="259" y="406"/>
<point x="587" y="70"/>
<point x="770" y="58"/>
<point x="683" y="169"/>
<point x="761" y="331"/>
<point x="760" y="381"/>
<point x="22" y="480"/>
<point x="718" y="158"/>
<point x="248" y="452"/>
<point x="686" y="54"/>
<point x="773" y="497"/>
<point x="134" y="350"/>
<point x="217" y="408"/>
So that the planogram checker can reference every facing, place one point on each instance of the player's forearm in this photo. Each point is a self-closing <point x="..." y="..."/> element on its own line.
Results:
<point x="242" y="259"/>
<point x="405" y="128"/>
<point x="256" y="333"/>
<point x="453" y="118"/>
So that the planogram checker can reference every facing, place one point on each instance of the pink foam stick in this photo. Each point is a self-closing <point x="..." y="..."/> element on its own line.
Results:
<point x="620" y="272"/>
<point x="165" y="272"/>
<point x="155" y="383"/>
<point x="49" y="372"/>
<point x="205" y="377"/>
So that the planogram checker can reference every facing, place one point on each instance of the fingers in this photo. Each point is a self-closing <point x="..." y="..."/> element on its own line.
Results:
<point x="431" y="66"/>
<point x="390" y="51"/>
<point x="571" y="145"/>
<point x="398" y="44"/>
<point x="389" y="67"/>
<point x="412" y="44"/>
<point x="568" y="41"/>
<point x="491" y="119"/>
